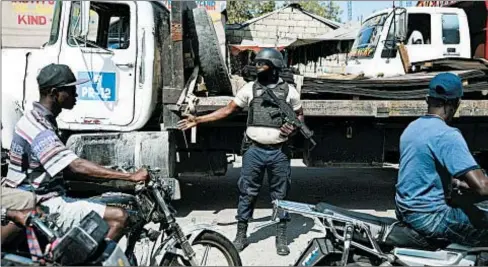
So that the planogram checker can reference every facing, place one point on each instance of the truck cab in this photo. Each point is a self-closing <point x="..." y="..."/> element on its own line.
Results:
<point x="427" y="33"/>
<point x="136" y="58"/>
<point x="117" y="45"/>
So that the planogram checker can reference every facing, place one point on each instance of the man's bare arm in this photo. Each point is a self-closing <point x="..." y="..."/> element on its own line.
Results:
<point x="459" y="184"/>
<point x="18" y="216"/>
<point x="300" y="115"/>
<point x="88" y="168"/>
<point x="477" y="181"/>
<point x="219" y="113"/>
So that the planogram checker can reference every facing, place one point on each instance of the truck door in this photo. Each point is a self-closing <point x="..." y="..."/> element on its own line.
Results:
<point x="451" y="35"/>
<point x="107" y="57"/>
<point x="421" y="42"/>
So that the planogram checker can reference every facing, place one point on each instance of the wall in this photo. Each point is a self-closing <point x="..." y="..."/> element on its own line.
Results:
<point x="281" y="27"/>
<point x="320" y="58"/>
<point x="26" y="23"/>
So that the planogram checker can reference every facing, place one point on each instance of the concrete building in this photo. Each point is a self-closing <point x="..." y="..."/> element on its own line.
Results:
<point x="275" y="29"/>
<point x="281" y="26"/>
<point x="323" y="54"/>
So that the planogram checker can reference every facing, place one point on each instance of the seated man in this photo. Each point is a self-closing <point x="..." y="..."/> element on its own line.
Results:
<point x="38" y="157"/>
<point x="12" y="201"/>
<point x="431" y="153"/>
<point x="416" y="38"/>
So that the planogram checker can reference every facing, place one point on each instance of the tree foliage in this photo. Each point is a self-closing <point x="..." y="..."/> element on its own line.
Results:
<point x="263" y="7"/>
<point x="326" y="9"/>
<point x="243" y="10"/>
<point x="238" y="11"/>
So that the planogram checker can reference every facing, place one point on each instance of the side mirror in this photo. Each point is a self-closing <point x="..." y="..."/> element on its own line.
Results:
<point x="84" y="18"/>
<point x="80" y="19"/>
<point x="401" y="24"/>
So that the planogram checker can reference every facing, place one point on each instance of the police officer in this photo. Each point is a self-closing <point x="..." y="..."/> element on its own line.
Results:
<point x="264" y="144"/>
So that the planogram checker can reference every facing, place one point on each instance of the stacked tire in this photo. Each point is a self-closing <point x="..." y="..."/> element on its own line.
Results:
<point x="208" y="54"/>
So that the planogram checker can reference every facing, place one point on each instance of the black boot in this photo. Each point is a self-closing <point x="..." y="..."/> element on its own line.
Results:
<point x="281" y="242"/>
<point x="241" y="237"/>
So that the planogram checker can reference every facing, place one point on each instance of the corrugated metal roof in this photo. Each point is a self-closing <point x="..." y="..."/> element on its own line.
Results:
<point x="341" y="34"/>
<point x="257" y="46"/>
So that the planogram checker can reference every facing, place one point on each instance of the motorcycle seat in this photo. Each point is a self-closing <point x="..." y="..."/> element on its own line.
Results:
<point x="387" y="232"/>
<point x="364" y="217"/>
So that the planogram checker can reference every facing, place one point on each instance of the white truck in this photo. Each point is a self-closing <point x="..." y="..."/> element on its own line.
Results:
<point x="429" y="33"/>
<point x="163" y="66"/>
<point x="134" y="53"/>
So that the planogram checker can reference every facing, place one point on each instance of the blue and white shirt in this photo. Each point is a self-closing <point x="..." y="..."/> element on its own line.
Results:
<point x="37" y="146"/>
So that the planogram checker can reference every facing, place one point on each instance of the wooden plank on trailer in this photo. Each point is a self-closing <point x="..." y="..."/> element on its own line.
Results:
<point x="404" y="57"/>
<point x="362" y="108"/>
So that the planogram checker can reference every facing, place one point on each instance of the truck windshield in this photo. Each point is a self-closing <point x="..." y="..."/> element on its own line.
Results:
<point x="367" y="39"/>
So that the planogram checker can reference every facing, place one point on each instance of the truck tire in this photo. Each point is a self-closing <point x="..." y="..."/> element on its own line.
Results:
<point x="209" y="56"/>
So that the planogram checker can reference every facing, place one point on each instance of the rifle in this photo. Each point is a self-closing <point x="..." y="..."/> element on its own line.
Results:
<point x="288" y="114"/>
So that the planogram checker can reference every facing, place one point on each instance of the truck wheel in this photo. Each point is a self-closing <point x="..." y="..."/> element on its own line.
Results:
<point x="209" y="55"/>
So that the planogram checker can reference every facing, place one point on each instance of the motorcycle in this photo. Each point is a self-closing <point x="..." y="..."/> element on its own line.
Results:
<point x="150" y="203"/>
<point x="84" y="244"/>
<point x="359" y="239"/>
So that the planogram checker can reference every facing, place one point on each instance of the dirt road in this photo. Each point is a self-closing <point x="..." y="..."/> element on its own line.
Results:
<point x="214" y="200"/>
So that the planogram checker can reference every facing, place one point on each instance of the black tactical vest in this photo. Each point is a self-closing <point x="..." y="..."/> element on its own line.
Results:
<point x="262" y="113"/>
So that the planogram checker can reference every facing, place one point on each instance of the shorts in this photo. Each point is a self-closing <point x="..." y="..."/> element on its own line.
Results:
<point x="17" y="199"/>
<point x="71" y="210"/>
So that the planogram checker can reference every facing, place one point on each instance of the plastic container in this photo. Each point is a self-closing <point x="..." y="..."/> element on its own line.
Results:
<point x="81" y="241"/>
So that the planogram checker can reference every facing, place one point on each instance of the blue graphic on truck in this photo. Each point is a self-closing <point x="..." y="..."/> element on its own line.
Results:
<point x="101" y="87"/>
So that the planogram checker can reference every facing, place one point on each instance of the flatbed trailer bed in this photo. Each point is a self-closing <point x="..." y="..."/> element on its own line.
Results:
<point x="358" y="108"/>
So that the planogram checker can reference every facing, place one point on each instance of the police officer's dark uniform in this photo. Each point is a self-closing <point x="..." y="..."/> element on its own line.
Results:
<point x="264" y="145"/>
<point x="258" y="158"/>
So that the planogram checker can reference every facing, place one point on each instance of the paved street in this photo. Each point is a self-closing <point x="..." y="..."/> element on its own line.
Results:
<point x="214" y="200"/>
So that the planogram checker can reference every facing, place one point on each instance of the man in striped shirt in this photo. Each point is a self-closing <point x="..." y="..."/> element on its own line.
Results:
<point x="38" y="156"/>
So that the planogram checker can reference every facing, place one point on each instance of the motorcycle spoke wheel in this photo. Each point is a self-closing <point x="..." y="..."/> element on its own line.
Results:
<point x="211" y="249"/>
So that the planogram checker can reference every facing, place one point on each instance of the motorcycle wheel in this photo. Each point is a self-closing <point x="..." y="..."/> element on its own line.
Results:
<point x="335" y="260"/>
<point x="212" y="240"/>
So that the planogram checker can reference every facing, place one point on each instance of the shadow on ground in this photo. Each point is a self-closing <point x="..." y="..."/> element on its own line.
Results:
<point x="359" y="189"/>
<point x="297" y="226"/>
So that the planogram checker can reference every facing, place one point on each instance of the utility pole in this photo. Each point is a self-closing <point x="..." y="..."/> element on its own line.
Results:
<point x="330" y="9"/>
<point x="349" y="10"/>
